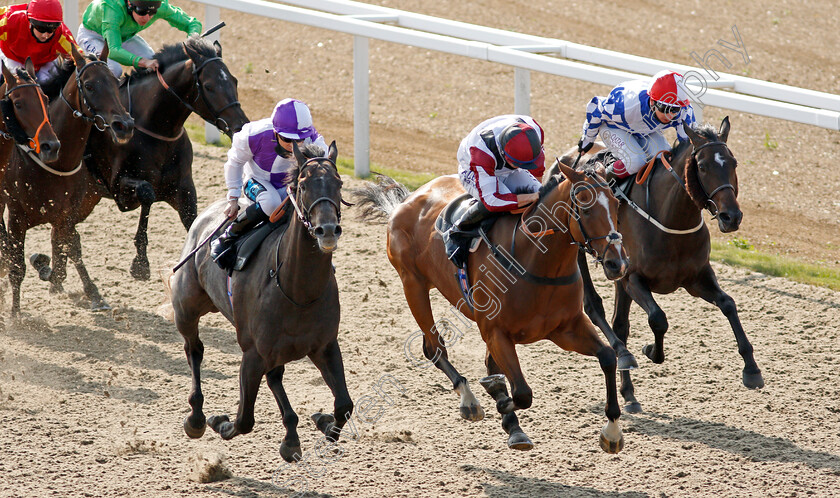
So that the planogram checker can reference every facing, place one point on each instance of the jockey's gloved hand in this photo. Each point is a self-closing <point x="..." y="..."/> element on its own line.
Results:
<point x="583" y="149"/>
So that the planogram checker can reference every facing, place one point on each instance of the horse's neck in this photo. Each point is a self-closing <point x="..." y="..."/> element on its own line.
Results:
<point x="154" y="107"/>
<point x="548" y="255"/>
<point x="670" y="203"/>
<point x="307" y="268"/>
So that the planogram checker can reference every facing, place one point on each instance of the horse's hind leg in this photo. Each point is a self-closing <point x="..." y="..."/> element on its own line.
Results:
<point x="593" y="305"/>
<point x="434" y="349"/>
<point x="195" y="422"/>
<point x="290" y="447"/>
<point x="91" y="291"/>
<point x="14" y="256"/>
<point x="251" y="371"/>
<point x="140" y="264"/>
<point x="640" y="292"/>
<point x="517" y="439"/>
<point x="582" y="338"/>
<point x="621" y="326"/>
<point x="329" y="362"/>
<point x="707" y="288"/>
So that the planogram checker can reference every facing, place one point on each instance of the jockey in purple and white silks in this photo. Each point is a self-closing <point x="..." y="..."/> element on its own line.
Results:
<point x="631" y="119"/>
<point x="259" y="161"/>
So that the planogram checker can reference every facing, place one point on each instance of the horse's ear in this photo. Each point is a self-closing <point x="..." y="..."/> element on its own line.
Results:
<point x="103" y="56"/>
<point x="78" y="58"/>
<point x="30" y="67"/>
<point x="191" y="52"/>
<point x="298" y="155"/>
<point x="333" y="152"/>
<point x="218" y="48"/>
<point x="8" y="77"/>
<point x="695" y="137"/>
<point x="724" y="129"/>
<point x="568" y="172"/>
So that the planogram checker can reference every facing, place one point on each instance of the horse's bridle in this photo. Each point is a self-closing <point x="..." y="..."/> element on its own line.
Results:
<point x="304" y="214"/>
<point x="218" y="121"/>
<point x="613" y="237"/>
<point x="24" y="141"/>
<point x="96" y="119"/>
<point x="709" y="202"/>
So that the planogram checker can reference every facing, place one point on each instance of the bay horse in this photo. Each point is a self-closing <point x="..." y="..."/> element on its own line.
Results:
<point x="672" y="251"/>
<point x="26" y="121"/>
<point x="540" y="296"/>
<point x="35" y="195"/>
<point x="156" y="164"/>
<point x="283" y="304"/>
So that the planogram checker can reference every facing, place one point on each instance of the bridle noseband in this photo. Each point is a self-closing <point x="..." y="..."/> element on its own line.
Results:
<point x="218" y="121"/>
<point x="710" y="204"/>
<point x="95" y="119"/>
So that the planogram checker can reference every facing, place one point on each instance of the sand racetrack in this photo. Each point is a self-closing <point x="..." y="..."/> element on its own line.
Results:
<point x="91" y="404"/>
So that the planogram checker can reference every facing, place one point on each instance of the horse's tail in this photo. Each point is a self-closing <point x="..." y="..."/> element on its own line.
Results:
<point x="166" y="309"/>
<point x="376" y="201"/>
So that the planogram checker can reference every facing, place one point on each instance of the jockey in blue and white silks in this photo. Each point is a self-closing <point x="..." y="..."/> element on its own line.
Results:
<point x="631" y="119"/>
<point x="259" y="161"/>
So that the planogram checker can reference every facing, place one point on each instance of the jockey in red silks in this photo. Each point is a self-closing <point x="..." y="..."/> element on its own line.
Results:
<point x="34" y="30"/>
<point x="631" y="119"/>
<point x="500" y="163"/>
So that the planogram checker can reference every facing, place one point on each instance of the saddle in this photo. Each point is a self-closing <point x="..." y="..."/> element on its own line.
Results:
<point x="460" y="242"/>
<point x="248" y="243"/>
<point x="623" y="185"/>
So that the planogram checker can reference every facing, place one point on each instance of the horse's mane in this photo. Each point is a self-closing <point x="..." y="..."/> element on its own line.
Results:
<point x="170" y="55"/>
<point x="692" y="181"/>
<point x="549" y="185"/>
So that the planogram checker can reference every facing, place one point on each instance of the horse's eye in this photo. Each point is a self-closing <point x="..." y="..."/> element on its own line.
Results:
<point x="88" y="87"/>
<point x="702" y="167"/>
<point x="586" y="211"/>
<point x="18" y="105"/>
<point x="209" y="87"/>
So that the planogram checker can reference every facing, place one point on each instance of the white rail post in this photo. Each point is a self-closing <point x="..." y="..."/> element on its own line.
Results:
<point x="212" y="16"/>
<point x="71" y="15"/>
<point x="361" y="107"/>
<point x="522" y="91"/>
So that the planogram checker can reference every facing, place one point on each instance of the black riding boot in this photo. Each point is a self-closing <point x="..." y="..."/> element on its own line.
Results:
<point x="456" y="242"/>
<point x="609" y="172"/>
<point x="252" y="215"/>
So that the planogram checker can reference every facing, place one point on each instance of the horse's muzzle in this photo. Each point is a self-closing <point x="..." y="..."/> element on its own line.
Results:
<point x="122" y="129"/>
<point x="327" y="236"/>
<point x="615" y="262"/>
<point x="729" y="220"/>
<point x="49" y="151"/>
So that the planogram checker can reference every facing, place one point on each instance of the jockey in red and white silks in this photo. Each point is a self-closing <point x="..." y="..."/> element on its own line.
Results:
<point x="631" y="119"/>
<point x="500" y="158"/>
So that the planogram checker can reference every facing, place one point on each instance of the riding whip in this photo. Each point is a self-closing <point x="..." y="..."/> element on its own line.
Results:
<point x="192" y="253"/>
<point x="213" y="29"/>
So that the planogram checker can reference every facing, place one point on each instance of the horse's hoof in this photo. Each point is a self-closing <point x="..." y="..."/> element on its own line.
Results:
<point x="611" y="447"/>
<point x="634" y="407"/>
<point x="493" y="384"/>
<point x="194" y="432"/>
<point x="472" y="413"/>
<point x="753" y="380"/>
<point x="626" y="362"/>
<point x="649" y="352"/>
<point x="215" y="421"/>
<point x="325" y="423"/>
<point x="41" y="263"/>
<point x="519" y="441"/>
<point x="140" y="269"/>
<point x="290" y="452"/>
<point x="100" y="305"/>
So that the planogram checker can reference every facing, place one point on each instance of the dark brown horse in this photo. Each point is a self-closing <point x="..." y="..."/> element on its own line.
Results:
<point x="537" y="296"/>
<point x="25" y="117"/>
<point x="672" y="250"/>
<point x="156" y="165"/>
<point x="284" y="304"/>
<point x="35" y="195"/>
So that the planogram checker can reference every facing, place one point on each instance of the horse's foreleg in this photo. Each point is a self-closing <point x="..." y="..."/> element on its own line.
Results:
<point x="140" y="265"/>
<point x="707" y="288"/>
<point x="582" y="338"/>
<point x="290" y="447"/>
<point x="91" y="291"/>
<point x="187" y="205"/>
<point x="195" y="422"/>
<point x="503" y="351"/>
<point x="330" y="364"/>
<point x="517" y="439"/>
<point x="59" y="236"/>
<point x="621" y="325"/>
<point x="593" y="305"/>
<point x="640" y="292"/>
<point x="14" y="256"/>
<point x="434" y="348"/>
<point x="251" y="371"/>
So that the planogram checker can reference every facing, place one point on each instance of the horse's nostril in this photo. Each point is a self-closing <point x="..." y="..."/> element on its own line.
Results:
<point x="46" y="147"/>
<point x="337" y="230"/>
<point x="724" y="217"/>
<point x="319" y="232"/>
